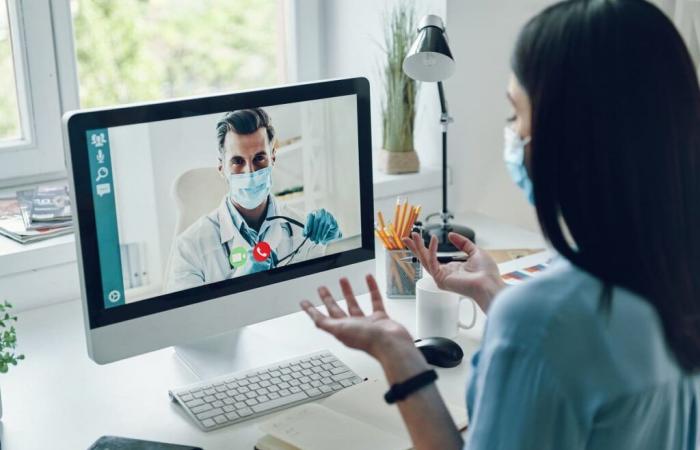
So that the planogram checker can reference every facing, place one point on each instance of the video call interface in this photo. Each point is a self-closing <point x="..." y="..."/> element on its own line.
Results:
<point x="187" y="202"/>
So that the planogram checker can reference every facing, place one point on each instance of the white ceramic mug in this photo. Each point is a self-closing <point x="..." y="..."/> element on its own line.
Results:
<point x="437" y="311"/>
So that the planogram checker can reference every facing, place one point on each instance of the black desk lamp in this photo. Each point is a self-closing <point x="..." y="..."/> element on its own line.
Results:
<point x="430" y="59"/>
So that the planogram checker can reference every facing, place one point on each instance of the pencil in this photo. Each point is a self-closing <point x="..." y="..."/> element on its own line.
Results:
<point x="409" y="222"/>
<point x="381" y="238"/>
<point x="396" y="210"/>
<point x="389" y="242"/>
<point x="382" y="225"/>
<point x="402" y="218"/>
<point x="393" y="235"/>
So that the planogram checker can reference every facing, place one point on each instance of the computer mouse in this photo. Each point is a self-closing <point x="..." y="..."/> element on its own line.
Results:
<point x="439" y="351"/>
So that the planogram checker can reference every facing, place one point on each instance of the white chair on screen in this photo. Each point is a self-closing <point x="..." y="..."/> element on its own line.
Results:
<point x="196" y="192"/>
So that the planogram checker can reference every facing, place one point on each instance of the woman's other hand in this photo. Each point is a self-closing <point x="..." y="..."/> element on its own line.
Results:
<point x="478" y="277"/>
<point x="371" y="333"/>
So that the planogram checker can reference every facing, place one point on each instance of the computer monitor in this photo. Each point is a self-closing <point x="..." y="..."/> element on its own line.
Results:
<point x="196" y="217"/>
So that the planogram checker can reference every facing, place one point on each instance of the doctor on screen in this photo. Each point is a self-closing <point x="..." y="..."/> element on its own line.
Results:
<point x="250" y="231"/>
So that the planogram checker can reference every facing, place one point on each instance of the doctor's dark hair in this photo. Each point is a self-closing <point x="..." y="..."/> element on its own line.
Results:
<point x="244" y="121"/>
<point x="616" y="153"/>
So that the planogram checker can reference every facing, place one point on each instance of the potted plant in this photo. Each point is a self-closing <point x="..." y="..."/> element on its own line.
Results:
<point x="8" y="341"/>
<point x="399" y="105"/>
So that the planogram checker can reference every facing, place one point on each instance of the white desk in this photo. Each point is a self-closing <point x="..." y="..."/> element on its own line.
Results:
<point x="59" y="399"/>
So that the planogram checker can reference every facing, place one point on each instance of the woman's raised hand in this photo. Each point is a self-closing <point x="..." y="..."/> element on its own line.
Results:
<point x="477" y="277"/>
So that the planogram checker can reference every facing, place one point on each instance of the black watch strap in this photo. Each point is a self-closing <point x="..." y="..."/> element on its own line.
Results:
<point x="400" y="391"/>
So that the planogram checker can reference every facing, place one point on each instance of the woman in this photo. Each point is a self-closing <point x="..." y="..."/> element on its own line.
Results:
<point x="603" y="350"/>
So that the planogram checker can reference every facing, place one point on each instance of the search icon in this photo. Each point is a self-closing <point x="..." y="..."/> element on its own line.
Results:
<point x="102" y="172"/>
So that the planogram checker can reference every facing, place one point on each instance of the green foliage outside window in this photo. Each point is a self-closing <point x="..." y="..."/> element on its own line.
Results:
<point x="138" y="50"/>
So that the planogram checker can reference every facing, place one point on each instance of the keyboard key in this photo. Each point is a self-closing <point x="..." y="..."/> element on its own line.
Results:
<point x="232" y="416"/>
<point x="221" y="388"/>
<point x="251" y="394"/>
<point x="343" y="376"/>
<point x="254" y="386"/>
<point x="338" y="364"/>
<point x="200" y="409"/>
<point x="221" y="395"/>
<point x="199" y="394"/>
<point x="240" y="397"/>
<point x="186" y="398"/>
<point x="210" y="413"/>
<point x="232" y="392"/>
<point x="209" y="398"/>
<point x="209" y="391"/>
<point x="265" y="383"/>
<point x="273" y="395"/>
<point x="328" y="359"/>
<point x="239" y="405"/>
<point x="279" y="402"/>
<point x="195" y="402"/>
<point x="244" y="412"/>
<point x="273" y="388"/>
<point x="284" y="392"/>
<point x="263" y="399"/>
<point x="220" y="419"/>
<point x="229" y="408"/>
<point x="294" y="389"/>
<point x="262" y="391"/>
<point x="338" y="370"/>
<point x="218" y="404"/>
<point x="325" y="389"/>
<point x="208" y="423"/>
<point x="313" y="392"/>
<point x="254" y="379"/>
<point x="346" y="382"/>
<point x="251" y="402"/>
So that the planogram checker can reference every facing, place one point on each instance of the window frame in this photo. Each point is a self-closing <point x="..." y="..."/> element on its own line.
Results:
<point x="38" y="154"/>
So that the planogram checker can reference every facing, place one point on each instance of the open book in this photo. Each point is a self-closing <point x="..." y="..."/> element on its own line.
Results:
<point x="354" y="418"/>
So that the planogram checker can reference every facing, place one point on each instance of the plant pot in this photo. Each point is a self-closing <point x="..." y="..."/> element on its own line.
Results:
<point x="398" y="162"/>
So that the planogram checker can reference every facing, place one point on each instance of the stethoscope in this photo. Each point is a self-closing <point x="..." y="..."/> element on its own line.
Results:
<point x="288" y="258"/>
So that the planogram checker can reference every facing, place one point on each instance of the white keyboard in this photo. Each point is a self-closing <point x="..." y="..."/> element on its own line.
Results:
<point x="253" y="393"/>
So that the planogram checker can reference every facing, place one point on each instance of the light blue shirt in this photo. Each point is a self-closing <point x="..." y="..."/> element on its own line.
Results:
<point x="555" y="372"/>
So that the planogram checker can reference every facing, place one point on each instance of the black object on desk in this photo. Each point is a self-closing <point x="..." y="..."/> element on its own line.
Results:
<point x="121" y="443"/>
<point x="439" y="351"/>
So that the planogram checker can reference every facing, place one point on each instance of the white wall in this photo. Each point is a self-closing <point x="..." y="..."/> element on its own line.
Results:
<point x="354" y="36"/>
<point x="482" y="35"/>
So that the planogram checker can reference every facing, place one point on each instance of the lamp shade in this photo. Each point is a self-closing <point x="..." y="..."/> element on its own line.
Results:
<point x="429" y="58"/>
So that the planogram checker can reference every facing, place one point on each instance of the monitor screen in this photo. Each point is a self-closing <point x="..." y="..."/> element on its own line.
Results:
<point x="191" y="201"/>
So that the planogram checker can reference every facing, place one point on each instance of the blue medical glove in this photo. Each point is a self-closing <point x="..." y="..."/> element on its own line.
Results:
<point x="321" y="227"/>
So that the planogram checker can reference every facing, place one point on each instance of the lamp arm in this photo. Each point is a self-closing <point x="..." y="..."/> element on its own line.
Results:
<point x="443" y="102"/>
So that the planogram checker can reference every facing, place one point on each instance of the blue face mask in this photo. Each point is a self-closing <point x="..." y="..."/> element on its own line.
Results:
<point x="514" y="156"/>
<point x="250" y="189"/>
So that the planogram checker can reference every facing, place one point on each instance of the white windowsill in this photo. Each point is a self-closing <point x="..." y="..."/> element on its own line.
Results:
<point x="17" y="258"/>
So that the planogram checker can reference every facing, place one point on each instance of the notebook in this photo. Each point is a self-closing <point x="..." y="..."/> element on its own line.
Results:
<point x="355" y="417"/>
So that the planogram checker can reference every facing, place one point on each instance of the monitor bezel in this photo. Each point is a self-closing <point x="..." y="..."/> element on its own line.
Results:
<point x="76" y="125"/>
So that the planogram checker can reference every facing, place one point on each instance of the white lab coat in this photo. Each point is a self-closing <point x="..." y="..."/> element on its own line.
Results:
<point x="199" y="255"/>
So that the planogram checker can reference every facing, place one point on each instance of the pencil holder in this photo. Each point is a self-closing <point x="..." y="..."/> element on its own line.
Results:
<point x="402" y="273"/>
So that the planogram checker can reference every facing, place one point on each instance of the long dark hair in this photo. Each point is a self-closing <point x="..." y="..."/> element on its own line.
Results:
<point x="616" y="152"/>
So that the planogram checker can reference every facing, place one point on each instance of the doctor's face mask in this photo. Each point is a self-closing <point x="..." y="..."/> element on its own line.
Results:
<point x="247" y="168"/>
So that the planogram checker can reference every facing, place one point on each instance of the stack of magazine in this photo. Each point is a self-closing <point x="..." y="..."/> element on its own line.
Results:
<point x="36" y="214"/>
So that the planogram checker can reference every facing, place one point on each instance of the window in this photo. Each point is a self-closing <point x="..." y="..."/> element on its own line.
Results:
<point x="9" y="106"/>
<point x="60" y="55"/>
<point x="135" y="50"/>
